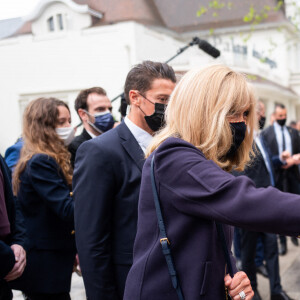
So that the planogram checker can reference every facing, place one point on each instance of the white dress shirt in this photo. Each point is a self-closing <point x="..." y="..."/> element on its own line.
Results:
<point x="91" y="134"/>
<point x="143" y="137"/>
<point x="287" y="137"/>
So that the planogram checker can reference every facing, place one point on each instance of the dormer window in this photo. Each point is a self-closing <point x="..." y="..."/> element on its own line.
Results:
<point x="50" y="22"/>
<point x="56" y="23"/>
<point x="60" y="22"/>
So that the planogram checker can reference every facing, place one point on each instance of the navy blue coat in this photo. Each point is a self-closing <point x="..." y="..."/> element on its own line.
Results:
<point x="48" y="211"/>
<point x="194" y="192"/>
<point x="17" y="235"/>
<point x="106" y="184"/>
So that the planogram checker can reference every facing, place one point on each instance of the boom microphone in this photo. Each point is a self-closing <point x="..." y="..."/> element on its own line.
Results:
<point x="207" y="47"/>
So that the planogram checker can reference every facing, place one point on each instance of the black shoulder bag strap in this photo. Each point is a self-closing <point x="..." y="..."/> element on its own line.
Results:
<point x="166" y="244"/>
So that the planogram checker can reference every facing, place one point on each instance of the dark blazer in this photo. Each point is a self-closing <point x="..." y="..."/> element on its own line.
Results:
<point x="48" y="210"/>
<point x="292" y="174"/>
<point x="17" y="235"/>
<point x="77" y="141"/>
<point x="106" y="186"/>
<point x="193" y="193"/>
<point x="257" y="171"/>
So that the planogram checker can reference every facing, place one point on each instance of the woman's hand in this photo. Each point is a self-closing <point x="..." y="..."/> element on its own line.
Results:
<point x="20" y="258"/>
<point x="239" y="285"/>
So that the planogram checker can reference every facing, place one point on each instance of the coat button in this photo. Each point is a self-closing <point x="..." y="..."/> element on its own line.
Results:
<point x="73" y="232"/>
<point x="71" y="194"/>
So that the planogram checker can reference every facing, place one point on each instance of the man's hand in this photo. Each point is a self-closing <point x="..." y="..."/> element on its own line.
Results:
<point x="20" y="258"/>
<point x="285" y="155"/>
<point x="76" y="266"/>
<point x="296" y="158"/>
<point x="239" y="283"/>
<point x="289" y="163"/>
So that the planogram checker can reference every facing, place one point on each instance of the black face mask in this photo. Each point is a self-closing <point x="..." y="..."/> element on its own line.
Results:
<point x="262" y="122"/>
<point x="157" y="119"/>
<point x="238" y="131"/>
<point x="281" y="122"/>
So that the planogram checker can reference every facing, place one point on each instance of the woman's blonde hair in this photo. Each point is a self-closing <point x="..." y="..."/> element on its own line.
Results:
<point x="39" y="122"/>
<point x="198" y="113"/>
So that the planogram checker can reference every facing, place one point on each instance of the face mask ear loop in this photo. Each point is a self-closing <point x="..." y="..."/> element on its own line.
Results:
<point x="91" y="124"/>
<point x="147" y="99"/>
<point x="97" y="129"/>
<point x="142" y="111"/>
<point x="89" y="115"/>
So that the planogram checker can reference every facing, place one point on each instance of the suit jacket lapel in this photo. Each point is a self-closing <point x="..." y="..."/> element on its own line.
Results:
<point x="293" y="140"/>
<point x="85" y="135"/>
<point x="131" y="145"/>
<point x="273" y="141"/>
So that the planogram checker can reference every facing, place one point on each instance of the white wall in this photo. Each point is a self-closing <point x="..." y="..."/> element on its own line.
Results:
<point x="60" y="64"/>
<point x="33" y="66"/>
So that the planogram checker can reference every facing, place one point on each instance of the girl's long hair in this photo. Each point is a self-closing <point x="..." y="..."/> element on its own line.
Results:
<point x="198" y="113"/>
<point x="39" y="122"/>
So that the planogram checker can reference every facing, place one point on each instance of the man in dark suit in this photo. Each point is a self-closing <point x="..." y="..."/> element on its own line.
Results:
<point x="107" y="179"/>
<point x="284" y="145"/>
<point x="262" y="173"/>
<point x="12" y="235"/>
<point x="88" y="104"/>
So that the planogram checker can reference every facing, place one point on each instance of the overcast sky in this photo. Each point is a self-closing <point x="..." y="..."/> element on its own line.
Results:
<point x="16" y="8"/>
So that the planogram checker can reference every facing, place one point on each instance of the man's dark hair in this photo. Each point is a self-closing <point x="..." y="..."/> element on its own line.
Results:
<point x="280" y="105"/>
<point x="81" y="100"/>
<point x="142" y="75"/>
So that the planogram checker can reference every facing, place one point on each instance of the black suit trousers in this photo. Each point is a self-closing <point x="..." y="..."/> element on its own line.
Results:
<point x="248" y="251"/>
<point x="5" y="291"/>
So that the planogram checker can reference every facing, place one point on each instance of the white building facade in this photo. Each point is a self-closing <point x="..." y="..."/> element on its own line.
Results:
<point x="64" y="53"/>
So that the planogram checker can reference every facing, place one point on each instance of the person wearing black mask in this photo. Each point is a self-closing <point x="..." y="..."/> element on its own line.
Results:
<point x="187" y="194"/>
<point x="262" y="173"/>
<point x="284" y="146"/>
<point x="107" y="178"/>
<point x="94" y="110"/>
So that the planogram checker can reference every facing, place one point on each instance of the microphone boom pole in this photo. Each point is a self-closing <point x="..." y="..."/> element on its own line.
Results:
<point x="203" y="45"/>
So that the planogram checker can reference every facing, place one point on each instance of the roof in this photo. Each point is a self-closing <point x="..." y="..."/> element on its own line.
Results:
<point x="142" y="11"/>
<point x="177" y="15"/>
<point x="21" y="25"/>
<point x="42" y="5"/>
<point x="10" y="26"/>
<point x="181" y="16"/>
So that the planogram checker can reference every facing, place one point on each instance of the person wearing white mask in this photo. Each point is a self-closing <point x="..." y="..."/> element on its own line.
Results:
<point x="42" y="182"/>
<point x="94" y="110"/>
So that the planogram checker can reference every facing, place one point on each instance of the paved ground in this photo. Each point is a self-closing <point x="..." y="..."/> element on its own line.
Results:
<point x="289" y="270"/>
<point x="77" y="290"/>
<point x="290" y="274"/>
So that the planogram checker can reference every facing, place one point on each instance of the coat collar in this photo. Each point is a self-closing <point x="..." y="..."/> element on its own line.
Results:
<point x="131" y="145"/>
<point x="85" y="134"/>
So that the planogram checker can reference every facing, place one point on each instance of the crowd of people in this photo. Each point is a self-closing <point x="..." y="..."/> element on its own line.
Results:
<point x="145" y="208"/>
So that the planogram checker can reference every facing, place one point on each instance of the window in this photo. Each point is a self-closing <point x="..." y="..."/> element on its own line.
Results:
<point x="60" y="23"/>
<point x="50" y="24"/>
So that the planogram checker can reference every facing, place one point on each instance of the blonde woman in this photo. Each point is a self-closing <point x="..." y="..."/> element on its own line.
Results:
<point x="209" y="130"/>
<point x="42" y="181"/>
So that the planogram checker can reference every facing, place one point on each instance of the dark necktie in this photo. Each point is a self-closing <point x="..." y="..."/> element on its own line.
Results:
<point x="283" y="139"/>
